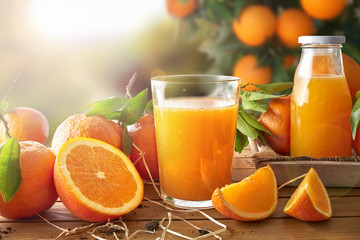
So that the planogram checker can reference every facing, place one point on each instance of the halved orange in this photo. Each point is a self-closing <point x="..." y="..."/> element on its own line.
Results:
<point x="254" y="198"/>
<point x="310" y="201"/>
<point x="96" y="181"/>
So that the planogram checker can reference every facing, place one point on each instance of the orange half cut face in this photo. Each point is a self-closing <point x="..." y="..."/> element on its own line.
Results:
<point x="96" y="181"/>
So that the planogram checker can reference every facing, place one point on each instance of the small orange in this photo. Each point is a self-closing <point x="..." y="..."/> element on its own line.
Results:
<point x="293" y="23"/>
<point x="181" y="8"/>
<point x="142" y="134"/>
<point x="277" y="120"/>
<point x="254" y="198"/>
<point x="246" y="69"/>
<point x="310" y="201"/>
<point x="37" y="190"/>
<point x="289" y="60"/>
<point x="323" y="9"/>
<point x="26" y="124"/>
<point x="80" y="125"/>
<point x="96" y="181"/>
<point x="352" y="73"/>
<point x="254" y="25"/>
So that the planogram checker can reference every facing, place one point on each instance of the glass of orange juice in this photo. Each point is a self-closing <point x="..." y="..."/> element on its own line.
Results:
<point x="195" y="125"/>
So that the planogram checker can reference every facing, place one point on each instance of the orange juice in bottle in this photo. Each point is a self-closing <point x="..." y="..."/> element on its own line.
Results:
<point x="320" y="101"/>
<point x="195" y="125"/>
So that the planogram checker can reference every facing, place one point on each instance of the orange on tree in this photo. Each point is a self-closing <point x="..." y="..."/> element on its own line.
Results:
<point x="37" y="190"/>
<point x="80" y="125"/>
<point x="96" y="181"/>
<point x="254" y="198"/>
<point x="277" y="120"/>
<point x="181" y="8"/>
<point x="289" y="60"/>
<point x="352" y="73"/>
<point x="254" y="25"/>
<point x="248" y="71"/>
<point x="310" y="201"/>
<point x="293" y="23"/>
<point x="142" y="134"/>
<point x="323" y="9"/>
<point x="25" y="124"/>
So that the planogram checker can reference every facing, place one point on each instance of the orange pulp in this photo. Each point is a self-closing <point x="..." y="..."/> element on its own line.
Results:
<point x="195" y="139"/>
<point x="320" y="117"/>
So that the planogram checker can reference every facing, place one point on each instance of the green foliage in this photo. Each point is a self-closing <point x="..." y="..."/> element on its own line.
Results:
<point x="355" y="115"/>
<point x="10" y="174"/>
<point x="252" y="104"/>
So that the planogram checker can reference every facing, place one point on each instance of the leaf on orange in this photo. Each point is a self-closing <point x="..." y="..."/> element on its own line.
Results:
<point x="310" y="201"/>
<point x="254" y="198"/>
<point x="96" y="181"/>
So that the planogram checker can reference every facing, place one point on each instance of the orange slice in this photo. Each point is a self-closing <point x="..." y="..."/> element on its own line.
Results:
<point x="96" y="181"/>
<point x="254" y="198"/>
<point x="310" y="201"/>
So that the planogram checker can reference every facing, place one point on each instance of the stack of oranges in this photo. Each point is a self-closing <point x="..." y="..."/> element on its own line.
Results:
<point x="84" y="167"/>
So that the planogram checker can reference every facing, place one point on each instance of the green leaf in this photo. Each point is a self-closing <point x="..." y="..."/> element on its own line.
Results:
<point x="255" y="95"/>
<point x="356" y="97"/>
<point x="4" y="106"/>
<point x="10" y="174"/>
<point x="240" y="4"/>
<point x="112" y="115"/>
<point x="126" y="141"/>
<point x="107" y="105"/>
<point x="134" y="108"/>
<point x="274" y="87"/>
<point x="245" y="128"/>
<point x="241" y="141"/>
<point x="355" y="118"/>
<point x="258" y="106"/>
<point x="221" y="11"/>
<point x="149" y="106"/>
<point x="253" y="122"/>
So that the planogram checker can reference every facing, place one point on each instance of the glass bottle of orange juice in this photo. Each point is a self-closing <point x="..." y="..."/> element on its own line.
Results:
<point x="320" y="101"/>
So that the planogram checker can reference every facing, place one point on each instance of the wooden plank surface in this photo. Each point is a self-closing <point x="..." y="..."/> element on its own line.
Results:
<point x="343" y="225"/>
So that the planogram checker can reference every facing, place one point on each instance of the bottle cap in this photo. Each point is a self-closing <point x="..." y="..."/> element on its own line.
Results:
<point x="322" y="39"/>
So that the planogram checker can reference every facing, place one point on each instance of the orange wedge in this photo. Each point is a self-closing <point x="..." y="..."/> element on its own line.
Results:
<point x="254" y="198"/>
<point x="310" y="201"/>
<point x="96" y="181"/>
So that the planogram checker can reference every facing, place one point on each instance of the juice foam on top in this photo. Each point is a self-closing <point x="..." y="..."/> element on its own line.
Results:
<point x="197" y="103"/>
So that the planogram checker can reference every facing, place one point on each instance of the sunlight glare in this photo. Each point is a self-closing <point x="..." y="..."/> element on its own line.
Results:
<point x="74" y="20"/>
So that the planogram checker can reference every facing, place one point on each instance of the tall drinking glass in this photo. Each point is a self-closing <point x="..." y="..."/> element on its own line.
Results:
<point x="195" y="125"/>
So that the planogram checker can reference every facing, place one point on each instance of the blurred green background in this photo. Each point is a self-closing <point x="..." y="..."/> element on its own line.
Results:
<point x="74" y="52"/>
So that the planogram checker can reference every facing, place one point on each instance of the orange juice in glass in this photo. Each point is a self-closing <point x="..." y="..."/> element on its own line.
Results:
<point x="195" y="125"/>
<point x="320" y="101"/>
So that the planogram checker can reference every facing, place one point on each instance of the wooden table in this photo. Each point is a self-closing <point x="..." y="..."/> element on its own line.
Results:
<point x="345" y="223"/>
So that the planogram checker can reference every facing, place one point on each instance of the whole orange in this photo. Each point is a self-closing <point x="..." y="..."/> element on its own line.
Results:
<point x="254" y="25"/>
<point x="143" y="136"/>
<point x="181" y="8"/>
<point x="293" y="23"/>
<point x="323" y="9"/>
<point x="246" y="69"/>
<point x="352" y="73"/>
<point x="80" y="125"/>
<point x="37" y="190"/>
<point x="289" y="60"/>
<point x="277" y="120"/>
<point x="26" y="124"/>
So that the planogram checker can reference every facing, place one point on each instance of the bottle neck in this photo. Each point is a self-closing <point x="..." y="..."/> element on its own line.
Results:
<point x="320" y="60"/>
